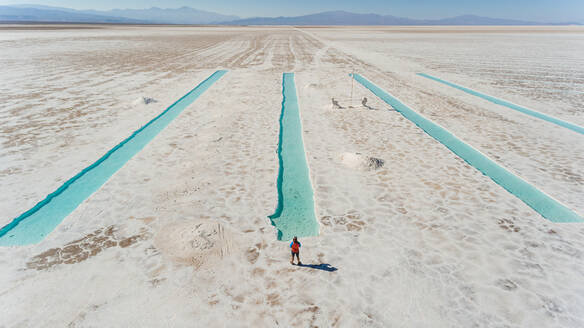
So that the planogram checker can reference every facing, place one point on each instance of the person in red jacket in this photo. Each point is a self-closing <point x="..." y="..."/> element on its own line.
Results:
<point x="295" y="247"/>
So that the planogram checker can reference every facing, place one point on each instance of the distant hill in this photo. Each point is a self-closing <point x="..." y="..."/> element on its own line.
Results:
<point x="187" y="15"/>
<point x="23" y="14"/>
<point x="40" y="13"/>
<point x="183" y="15"/>
<point x="327" y="18"/>
<point x="477" y="20"/>
<point x="347" y="18"/>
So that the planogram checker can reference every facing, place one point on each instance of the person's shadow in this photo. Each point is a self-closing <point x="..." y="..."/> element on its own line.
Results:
<point x="322" y="266"/>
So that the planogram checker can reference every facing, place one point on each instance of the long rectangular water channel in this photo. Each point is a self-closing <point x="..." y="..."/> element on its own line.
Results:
<point x="501" y="102"/>
<point x="545" y="205"/>
<point x="33" y="225"/>
<point x="294" y="215"/>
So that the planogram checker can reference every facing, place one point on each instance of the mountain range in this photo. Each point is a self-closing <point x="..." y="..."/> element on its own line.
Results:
<point x="347" y="18"/>
<point x="190" y="16"/>
<point x="154" y="15"/>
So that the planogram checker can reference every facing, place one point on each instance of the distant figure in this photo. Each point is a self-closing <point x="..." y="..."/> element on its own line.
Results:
<point x="336" y="104"/>
<point x="295" y="247"/>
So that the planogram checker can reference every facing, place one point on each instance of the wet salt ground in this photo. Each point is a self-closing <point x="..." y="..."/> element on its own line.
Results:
<point x="425" y="240"/>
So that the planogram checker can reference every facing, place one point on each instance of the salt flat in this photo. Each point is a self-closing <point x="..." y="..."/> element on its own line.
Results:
<point x="180" y="235"/>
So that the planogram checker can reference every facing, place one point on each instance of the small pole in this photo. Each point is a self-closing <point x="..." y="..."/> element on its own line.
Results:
<point x="352" y="81"/>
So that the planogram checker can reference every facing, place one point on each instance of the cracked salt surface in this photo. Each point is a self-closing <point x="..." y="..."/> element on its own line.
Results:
<point x="424" y="240"/>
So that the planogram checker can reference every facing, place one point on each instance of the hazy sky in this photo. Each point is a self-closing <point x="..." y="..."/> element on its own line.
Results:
<point x="536" y="10"/>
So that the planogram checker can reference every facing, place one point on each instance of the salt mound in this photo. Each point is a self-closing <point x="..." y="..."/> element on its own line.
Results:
<point x="352" y="160"/>
<point x="360" y="162"/>
<point x="194" y="243"/>
<point x="144" y="100"/>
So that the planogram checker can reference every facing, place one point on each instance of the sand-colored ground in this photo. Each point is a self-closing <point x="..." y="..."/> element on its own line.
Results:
<point x="180" y="235"/>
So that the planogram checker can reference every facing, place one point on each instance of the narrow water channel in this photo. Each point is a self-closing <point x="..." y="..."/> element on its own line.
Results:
<point x="501" y="102"/>
<point x="545" y="205"/>
<point x="35" y="224"/>
<point x="294" y="215"/>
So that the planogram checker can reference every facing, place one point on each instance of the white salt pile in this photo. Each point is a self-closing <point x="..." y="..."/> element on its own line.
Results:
<point x="144" y="100"/>
<point x="360" y="162"/>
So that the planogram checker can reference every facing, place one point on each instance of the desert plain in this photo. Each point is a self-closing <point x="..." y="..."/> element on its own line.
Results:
<point x="180" y="236"/>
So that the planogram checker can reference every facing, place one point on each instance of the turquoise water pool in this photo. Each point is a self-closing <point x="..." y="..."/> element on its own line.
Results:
<point x="507" y="104"/>
<point x="294" y="215"/>
<point x="545" y="205"/>
<point x="33" y="225"/>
